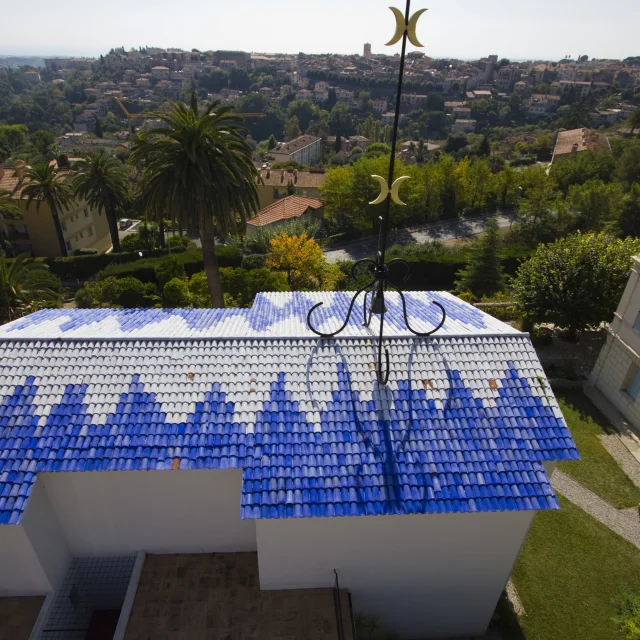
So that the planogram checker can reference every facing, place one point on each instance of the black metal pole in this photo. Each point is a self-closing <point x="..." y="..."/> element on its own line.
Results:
<point x="382" y="238"/>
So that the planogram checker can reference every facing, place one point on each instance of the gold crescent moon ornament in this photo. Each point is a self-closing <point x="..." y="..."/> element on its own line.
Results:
<point x="384" y="190"/>
<point x="409" y="27"/>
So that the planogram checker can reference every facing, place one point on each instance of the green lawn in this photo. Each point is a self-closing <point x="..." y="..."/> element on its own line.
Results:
<point x="597" y="470"/>
<point x="570" y="568"/>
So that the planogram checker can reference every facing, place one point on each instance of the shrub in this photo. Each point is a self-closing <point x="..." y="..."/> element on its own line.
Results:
<point x="132" y="293"/>
<point x="254" y="261"/>
<point x="199" y="290"/>
<point x="260" y="240"/>
<point x="176" y="293"/>
<point x="177" y="241"/>
<point x="96" y="294"/>
<point x="169" y="268"/>
<point x="132" y="242"/>
<point x="88" y="251"/>
<point x="243" y="285"/>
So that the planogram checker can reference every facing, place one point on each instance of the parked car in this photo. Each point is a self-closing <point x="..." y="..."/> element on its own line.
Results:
<point x="125" y="223"/>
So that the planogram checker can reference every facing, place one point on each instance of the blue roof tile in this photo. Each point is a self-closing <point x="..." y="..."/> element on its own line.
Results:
<point x="463" y="426"/>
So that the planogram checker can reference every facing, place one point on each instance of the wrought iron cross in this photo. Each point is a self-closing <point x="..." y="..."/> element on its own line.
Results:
<point x="381" y="278"/>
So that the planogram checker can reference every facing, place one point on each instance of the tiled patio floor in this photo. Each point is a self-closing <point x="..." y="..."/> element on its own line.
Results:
<point x="17" y="617"/>
<point x="218" y="597"/>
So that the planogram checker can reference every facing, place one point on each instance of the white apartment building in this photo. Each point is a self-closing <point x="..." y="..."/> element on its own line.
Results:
<point x="304" y="150"/>
<point x="617" y="371"/>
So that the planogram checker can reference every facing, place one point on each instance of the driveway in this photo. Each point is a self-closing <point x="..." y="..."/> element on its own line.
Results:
<point x="449" y="230"/>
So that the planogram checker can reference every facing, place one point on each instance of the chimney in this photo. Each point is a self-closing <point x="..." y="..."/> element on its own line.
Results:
<point x="21" y="167"/>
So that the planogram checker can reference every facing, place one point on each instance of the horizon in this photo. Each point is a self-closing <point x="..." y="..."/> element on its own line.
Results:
<point x="450" y="29"/>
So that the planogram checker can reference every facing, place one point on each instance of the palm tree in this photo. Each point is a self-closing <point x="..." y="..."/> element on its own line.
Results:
<point x="634" y="121"/>
<point x="45" y="184"/>
<point x="9" y="210"/>
<point x="102" y="181"/>
<point x="23" y="283"/>
<point x="199" y="168"/>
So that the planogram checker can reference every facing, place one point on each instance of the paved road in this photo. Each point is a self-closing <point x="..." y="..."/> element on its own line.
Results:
<point x="450" y="230"/>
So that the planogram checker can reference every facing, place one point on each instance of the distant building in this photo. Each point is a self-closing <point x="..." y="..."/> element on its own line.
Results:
<point x="367" y="50"/>
<point x="305" y="94"/>
<point x="574" y="141"/>
<point x="507" y="77"/>
<point x="305" y="149"/>
<point x="380" y="105"/>
<point x="284" y="210"/>
<point x="274" y="184"/>
<point x="540" y="104"/>
<point x="464" y="126"/>
<point x="161" y="73"/>
<point x="32" y="76"/>
<point x="33" y="231"/>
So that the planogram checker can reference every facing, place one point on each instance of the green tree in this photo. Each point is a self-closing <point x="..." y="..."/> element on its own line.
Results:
<point x="272" y="142"/>
<point x="628" y="170"/>
<point x="199" y="168"/>
<point x="575" y="282"/>
<point x="483" y="274"/>
<point x="337" y="147"/>
<point x="26" y="286"/>
<point x="45" y="184"/>
<point x="44" y="142"/>
<point x="98" y="129"/>
<point x="629" y="220"/>
<point x="627" y="614"/>
<point x="291" y="128"/>
<point x="101" y="180"/>
<point x="9" y="210"/>
<point x="541" y="211"/>
<point x="340" y="120"/>
<point x="595" y="204"/>
<point x="634" y="121"/>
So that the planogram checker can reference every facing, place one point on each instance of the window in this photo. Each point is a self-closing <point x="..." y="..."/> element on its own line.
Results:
<point x="636" y="324"/>
<point x="69" y="245"/>
<point x="86" y="213"/>
<point x="632" y="381"/>
<point x="64" y="226"/>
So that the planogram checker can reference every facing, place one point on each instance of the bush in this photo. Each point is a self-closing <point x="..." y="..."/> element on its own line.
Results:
<point x="85" y="252"/>
<point x="176" y="293"/>
<point x="177" y="241"/>
<point x="627" y="614"/>
<point x="254" y="261"/>
<point x="132" y="293"/>
<point x="132" y="242"/>
<point x="260" y="240"/>
<point x="122" y="292"/>
<point x="243" y="285"/>
<point x="169" y="268"/>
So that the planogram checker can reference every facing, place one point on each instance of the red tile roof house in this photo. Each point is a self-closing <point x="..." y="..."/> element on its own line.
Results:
<point x="286" y="209"/>
<point x="201" y="473"/>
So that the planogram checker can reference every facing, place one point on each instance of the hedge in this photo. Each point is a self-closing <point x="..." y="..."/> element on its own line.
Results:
<point x="438" y="272"/>
<point x="85" y="267"/>
<point x="144" y="268"/>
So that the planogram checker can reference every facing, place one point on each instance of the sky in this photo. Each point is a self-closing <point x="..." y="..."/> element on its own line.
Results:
<point x="466" y="29"/>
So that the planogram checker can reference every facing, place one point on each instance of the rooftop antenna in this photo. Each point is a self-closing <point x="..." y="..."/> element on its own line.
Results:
<point x="380" y="271"/>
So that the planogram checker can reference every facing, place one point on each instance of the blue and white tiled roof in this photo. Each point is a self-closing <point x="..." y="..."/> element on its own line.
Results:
<point x="464" y="424"/>
<point x="272" y="315"/>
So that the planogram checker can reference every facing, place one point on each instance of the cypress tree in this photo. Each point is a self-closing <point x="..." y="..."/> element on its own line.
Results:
<point x="483" y="274"/>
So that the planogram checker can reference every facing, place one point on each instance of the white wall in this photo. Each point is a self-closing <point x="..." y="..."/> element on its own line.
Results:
<point x="186" y="511"/>
<point x="45" y="535"/>
<point x="423" y="575"/>
<point x="20" y="571"/>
